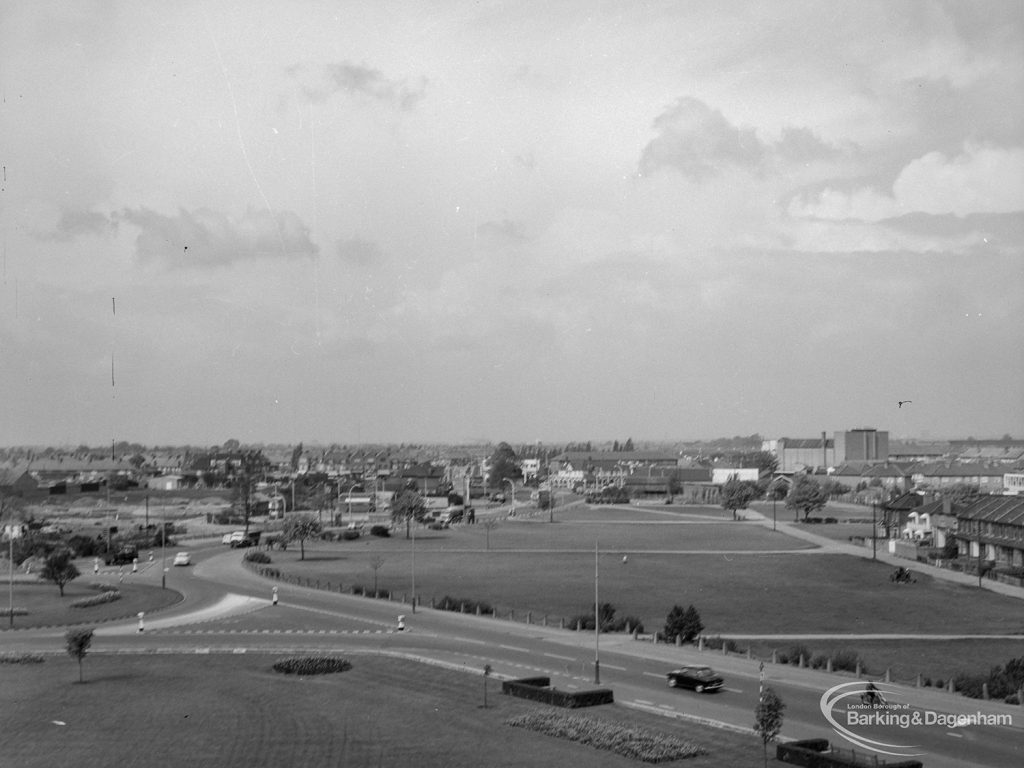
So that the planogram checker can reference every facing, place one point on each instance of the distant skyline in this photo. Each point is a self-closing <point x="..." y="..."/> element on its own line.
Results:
<point x="359" y="222"/>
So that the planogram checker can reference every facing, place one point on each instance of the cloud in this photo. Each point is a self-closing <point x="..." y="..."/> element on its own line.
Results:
<point x="700" y="143"/>
<point x="74" y="223"/>
<point x="204" y="237"/>
<point x="504" y="231"/>
<point x="357" y="80"/>
<point x="982" y="179"/>
<point x="358" y="251"/>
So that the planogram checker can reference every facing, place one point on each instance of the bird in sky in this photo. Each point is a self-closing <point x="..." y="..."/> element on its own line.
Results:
<point x="901" y="402"/>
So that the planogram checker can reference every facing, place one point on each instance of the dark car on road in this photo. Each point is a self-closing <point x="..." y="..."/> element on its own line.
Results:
<point x="699" y="679"/>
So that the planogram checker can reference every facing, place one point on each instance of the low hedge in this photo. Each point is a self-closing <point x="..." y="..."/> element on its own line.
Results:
<point x="21" y="658"/>
<point x="15" y="611"/>
<point x="312" y="665"/>
<point x="632" y="742"/>
<point x="105" y="596"/>
<point x="539" y="689"/>
<point x="255" y="556"/>
<point x="463" y="605"/>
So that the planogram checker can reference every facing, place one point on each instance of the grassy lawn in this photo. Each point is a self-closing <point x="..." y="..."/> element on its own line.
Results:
<point x="233" y="710"/>
<point x="46" y="607"/>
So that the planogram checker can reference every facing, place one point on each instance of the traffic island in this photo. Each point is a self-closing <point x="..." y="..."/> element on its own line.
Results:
<point x="540" y="689"/>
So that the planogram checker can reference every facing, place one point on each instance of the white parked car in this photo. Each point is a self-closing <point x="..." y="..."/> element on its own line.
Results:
<point x="182" y="558"/>
<point x="232" y="538"/>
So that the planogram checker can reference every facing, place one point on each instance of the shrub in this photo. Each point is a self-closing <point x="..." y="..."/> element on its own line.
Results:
<point x="846" y="661"/>
<point x="255" y="556"/>
<point x="732" y="647"/>
<point x="820" y="661"/>
<point x="358" y="589"/>
<point x="684" y="623"/>
<point x="380" y="530"/>
<point x="350" y="535"/>
<point x="106" y="596"/>
<point x="796" y="651"/>
<point x="312" y="665"/>
<point x="632" y="742"/>
<point x="459" y="604"/>
<point x="714" y="643"/>
<point x="21" y="658"/>
<point x="272" y="573"/>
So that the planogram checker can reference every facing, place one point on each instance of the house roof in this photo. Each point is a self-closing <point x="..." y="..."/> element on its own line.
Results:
<point x="1006" y="510"/>
<point x="958" y="469"/>
<point x="804" y="442"/>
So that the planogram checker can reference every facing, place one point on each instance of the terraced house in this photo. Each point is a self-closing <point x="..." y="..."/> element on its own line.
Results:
<point x="992" y="528"/>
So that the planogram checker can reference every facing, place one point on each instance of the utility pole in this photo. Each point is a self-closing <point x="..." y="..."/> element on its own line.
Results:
<point x="597" y="623"/>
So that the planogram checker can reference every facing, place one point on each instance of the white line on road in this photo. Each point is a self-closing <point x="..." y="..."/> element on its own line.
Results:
<point x="954" y="735"/>
<point x="556" y="656"/>
<point x="644" y="701"/>
<point x="654" y="674"/>
<point x="732" y="690"/>
<point x="514" y="648"/>
<point x="611" y="666"/>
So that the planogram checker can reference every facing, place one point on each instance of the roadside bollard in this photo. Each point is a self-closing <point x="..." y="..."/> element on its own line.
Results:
<point x="95" y="565"/>
<point x="275" y="595"/>
<point x="120" y="575"/>
<point x="401" y="624"/>
<point x="135" y="565"/>
<point x="142" y="626"/>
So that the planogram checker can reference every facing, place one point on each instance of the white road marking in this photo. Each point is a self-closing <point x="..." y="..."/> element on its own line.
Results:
<point x="556" y="656"/>
<point x="514" y="648"/>
<point x="644" y="701"/>
<point x="954" y="735"/>
<point x="654" y="674"/>
<point x="732" y="690"/>
<point x="617" y="669"/>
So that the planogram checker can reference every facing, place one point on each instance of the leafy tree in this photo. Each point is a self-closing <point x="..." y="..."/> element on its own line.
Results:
<point x="59" y="569"/>
<point x="504" y="466"/>
<point x="78" y="641"/>
<point x="296" y="455"/>
<point x="299" y="528"/>
<point x="406" y="505"/>
<point x="806" y="496"/>
<point x="737" y="494"/>
<point x="252" y="466"/>
<point x="489" y="525"/>
<point x="768" y="718"/>
<point x="683" y="623"/>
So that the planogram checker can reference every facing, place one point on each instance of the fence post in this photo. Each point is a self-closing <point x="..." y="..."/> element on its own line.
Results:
<point x="888" y="674"/>
<point x="775" y="656"/>
<point x="918" y="684"/>
<point x="679" y="640"/>
<point x="700" y="643"/>
<point x="828" y="664"/>
<point x="529" y="617"/>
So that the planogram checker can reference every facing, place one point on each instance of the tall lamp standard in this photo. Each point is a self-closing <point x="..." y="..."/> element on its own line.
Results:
<point x="597" y="624"/>
<point x="10" y="575"/>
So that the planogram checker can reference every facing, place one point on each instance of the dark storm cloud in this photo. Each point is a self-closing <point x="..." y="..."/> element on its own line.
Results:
<point x="205" y="237"/>
<point x="358" y="80"/>
<point x="699" y="142"/>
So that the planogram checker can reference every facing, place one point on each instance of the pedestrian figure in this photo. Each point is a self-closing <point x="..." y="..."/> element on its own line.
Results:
<point x="275" y="595"/>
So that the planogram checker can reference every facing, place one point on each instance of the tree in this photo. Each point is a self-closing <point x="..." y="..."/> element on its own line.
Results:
<point x="299" y="528"/>
<point x="503" y="466"/>
<point x="683" y="623"/>
<point x="805" y="495"/>
<point x="78" y="641"/>
<point x="489" y="525"/>
<point x="737" y="494"/>
<point x="59" y="569"/>
<point x="251" y="466"/>
<point x="768" y="719"/>
<point x="296" y="455"/>
<point x="407" y="505"/>
<point x="375" y="563"/>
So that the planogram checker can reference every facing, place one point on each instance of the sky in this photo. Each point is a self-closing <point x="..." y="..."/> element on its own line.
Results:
<point x="558" y="221"/>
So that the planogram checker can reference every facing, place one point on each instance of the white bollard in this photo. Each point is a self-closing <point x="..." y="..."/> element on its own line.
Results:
<point x="142" y="626"/>
<point x="275" y="595"/>
<point x="401" y="623"/>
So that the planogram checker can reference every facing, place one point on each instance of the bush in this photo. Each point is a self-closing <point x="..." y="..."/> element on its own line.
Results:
<point x="796" y="651"/>
<point x="255" y="556"/>
<point x="846" y="661"/>
<point x="820" y="661"/>
<point x="106" y="596"/>
<point x="380" y="530"/>
<point x="21" y="658"/>
<point x="463" y="605"/>
<point x="350" y="534"/>
<point x="312" y="665"/>
<point x="714" y="643"/>
<point x="684" y="623"/>
<point x="84" y="546"/>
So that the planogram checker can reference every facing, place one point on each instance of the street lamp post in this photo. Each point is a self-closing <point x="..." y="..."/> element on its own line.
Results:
<point x="414" y="567"/>
<point x="10" y="583"/>
<point x="597" y="623"/>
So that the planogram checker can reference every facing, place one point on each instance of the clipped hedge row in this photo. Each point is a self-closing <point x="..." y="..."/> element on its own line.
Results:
<point x="539" y="689"/>
<point x="255" y="556"/>
<point x="15" y="611"/>
<point x="635" y="743"/>
<point x="312" y="665"/>
<point x="20" y="658"/>
<point x="105" y="596"/>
